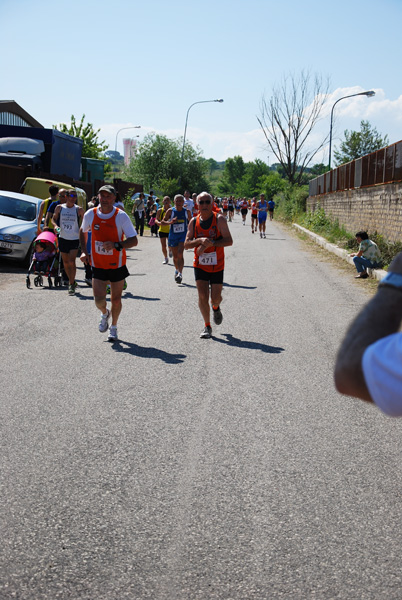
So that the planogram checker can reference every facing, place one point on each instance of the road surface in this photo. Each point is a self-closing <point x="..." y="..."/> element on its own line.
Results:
<point x="166" y="466"/>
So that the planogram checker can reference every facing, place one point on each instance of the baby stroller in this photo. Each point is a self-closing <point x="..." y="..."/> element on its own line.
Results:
<point x="50" y="267"/>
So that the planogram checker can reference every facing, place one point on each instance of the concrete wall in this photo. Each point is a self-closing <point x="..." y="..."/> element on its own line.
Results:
<point x="377" y="208"/>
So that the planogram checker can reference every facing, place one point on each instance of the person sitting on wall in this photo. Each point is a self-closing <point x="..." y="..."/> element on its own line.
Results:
<point x="367" y="257"/>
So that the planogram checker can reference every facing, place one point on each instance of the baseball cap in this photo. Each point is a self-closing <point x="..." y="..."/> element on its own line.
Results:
<point x="107" y="188"/>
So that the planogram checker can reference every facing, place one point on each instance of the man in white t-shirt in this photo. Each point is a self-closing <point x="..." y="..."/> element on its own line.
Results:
<point x="369" y="362"/>
<point x="188" y="203"/>
<point x="112" y="232"/>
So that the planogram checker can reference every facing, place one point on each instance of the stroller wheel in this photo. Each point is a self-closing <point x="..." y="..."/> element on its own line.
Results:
<point x="28" y="282"/>
<point x="50" y="282"/>
<point x="36" y="281"/>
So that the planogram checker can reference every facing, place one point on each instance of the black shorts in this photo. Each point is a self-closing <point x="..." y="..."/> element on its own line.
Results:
<point x="244" y="211"/>
<point x="110" y="274"/>
<point x="163" y="234"/>
<point x="66" y="245"/>
<point x="212" y="277"/>
<point x="254" y="216"/>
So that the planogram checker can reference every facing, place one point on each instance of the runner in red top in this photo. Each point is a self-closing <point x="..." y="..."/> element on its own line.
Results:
<point x="254" y="215"/>
<point x="208" y="234"/>
<point x="112" y="232"/>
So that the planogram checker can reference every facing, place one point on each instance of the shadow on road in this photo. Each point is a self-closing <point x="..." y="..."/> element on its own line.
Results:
<point x="240" y="287"/>
<point x="147" y="352"/>
<point x="233" y="341"/>
<point x="130" y="295"/>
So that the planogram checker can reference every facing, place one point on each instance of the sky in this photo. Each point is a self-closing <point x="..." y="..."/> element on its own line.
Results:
<point x="126" y="63"/>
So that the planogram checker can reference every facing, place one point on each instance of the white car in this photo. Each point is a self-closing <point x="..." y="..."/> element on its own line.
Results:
<point x="18" y="218"/>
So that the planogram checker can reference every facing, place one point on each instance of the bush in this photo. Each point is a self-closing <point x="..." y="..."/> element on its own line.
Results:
<point x="291" y="202"/>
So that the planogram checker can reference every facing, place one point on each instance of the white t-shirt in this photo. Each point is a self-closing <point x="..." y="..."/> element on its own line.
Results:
<point x="382" y="369"/>
<point x="189" y="205"/>
<point x="123" y="222"/>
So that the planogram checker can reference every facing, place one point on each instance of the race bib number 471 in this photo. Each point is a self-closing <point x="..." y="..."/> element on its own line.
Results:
<point x="208" y="258"/>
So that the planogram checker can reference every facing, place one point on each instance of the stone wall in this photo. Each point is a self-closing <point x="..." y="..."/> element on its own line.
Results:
<point x="371" y="209"/>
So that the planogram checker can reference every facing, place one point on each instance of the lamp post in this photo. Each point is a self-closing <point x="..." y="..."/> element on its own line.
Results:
<point x="133" y="127"/>
<point x="185" y="131"/>
<point x="368" y="94"/>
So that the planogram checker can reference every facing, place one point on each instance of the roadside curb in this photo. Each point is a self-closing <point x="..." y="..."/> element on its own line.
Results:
<point x="341" y="252"/>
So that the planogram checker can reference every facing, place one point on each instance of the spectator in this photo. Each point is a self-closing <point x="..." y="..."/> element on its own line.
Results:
<point x="53" y="191"/>
<point x="139" y="213"/>
<point x="367" y="257"/>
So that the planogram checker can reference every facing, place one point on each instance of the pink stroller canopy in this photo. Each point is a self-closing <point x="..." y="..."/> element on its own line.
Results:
<point x="47" y="236"/>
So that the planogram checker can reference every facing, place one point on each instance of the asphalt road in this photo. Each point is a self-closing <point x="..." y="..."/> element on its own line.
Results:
<point x="166" y="466"/>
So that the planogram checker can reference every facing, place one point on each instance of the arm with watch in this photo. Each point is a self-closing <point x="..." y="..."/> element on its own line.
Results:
<point x="129" y="242"/>
<point x="369" y="361"/>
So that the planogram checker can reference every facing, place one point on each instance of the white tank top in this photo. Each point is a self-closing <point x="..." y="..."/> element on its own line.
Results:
<point x="69" y="229"/>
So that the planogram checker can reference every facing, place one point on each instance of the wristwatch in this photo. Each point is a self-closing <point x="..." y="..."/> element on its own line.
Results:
<point x="118" y="246"/>
<point x="393" y="280"/>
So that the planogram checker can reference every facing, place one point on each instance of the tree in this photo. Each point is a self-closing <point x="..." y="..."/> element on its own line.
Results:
<point x="288" y="119"/>
<point x="92" y="147"/>
<point x="359" y="143"/>
<point x="318" y="169"/>
<point x="271" y="184"/>
<point x="158" y="161"/>
<point x="232" y="173"/>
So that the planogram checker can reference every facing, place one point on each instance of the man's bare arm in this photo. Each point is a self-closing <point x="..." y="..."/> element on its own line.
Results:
<point x="382" y="316"/>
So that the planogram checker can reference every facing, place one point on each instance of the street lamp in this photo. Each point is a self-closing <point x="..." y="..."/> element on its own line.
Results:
<point x="185" y="130"/>
<point x="368" y="94"/>
<point x="133" y="127"/>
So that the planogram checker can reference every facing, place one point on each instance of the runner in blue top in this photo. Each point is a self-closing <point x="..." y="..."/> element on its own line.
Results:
<point x="178" y="218"/>
<point x="271" y="208"/>
<point x="262" y="207"/>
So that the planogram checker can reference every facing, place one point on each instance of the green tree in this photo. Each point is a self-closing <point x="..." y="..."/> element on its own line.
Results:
<point x="271" y="184"/>
<point x="318" y="169"/>
<point x="359" y="143"/>
<point x="92" y="147"/>
<point x="157" y="163"/>
<point x="232" y="173"/>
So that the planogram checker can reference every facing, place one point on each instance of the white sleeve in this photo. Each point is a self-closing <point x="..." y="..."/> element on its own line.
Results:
<point x="87" y="220"/>
<point x="382" y="369"/>
<point x="124" y="223"/>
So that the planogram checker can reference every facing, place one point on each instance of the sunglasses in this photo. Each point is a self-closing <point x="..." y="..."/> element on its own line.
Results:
<point x="204" y="202"/>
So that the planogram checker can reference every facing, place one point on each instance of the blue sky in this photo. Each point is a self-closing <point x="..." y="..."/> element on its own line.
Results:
<point x="126" y="63"/>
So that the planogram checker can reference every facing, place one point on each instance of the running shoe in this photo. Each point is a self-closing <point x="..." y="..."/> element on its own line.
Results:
<point x="108" y="289"/>
<point x="71" y="289"/>
<point x="125" y="285"/>
<point x="178" y="278"/>
<point x="165" y="261"/>
<point x="103" y="325"/>
<point x="112" y="337"/>
<point x="218" y="317"/>
<point x="206" y="333"/>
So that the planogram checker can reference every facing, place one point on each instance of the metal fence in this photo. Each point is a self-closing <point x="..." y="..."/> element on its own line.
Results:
<point x="377" y="168"/>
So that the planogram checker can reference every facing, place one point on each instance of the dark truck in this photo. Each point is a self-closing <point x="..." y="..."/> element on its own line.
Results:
<point x="46" y="150"/>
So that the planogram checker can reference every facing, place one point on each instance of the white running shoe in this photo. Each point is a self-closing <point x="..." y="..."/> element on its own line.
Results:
<point x="112" y="337"/>
<point x="165" y="261"/>
<point x="103" y="325"/>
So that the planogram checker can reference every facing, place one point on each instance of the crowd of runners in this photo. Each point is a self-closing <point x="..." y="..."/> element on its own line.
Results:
<point x="105" y="231"/>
